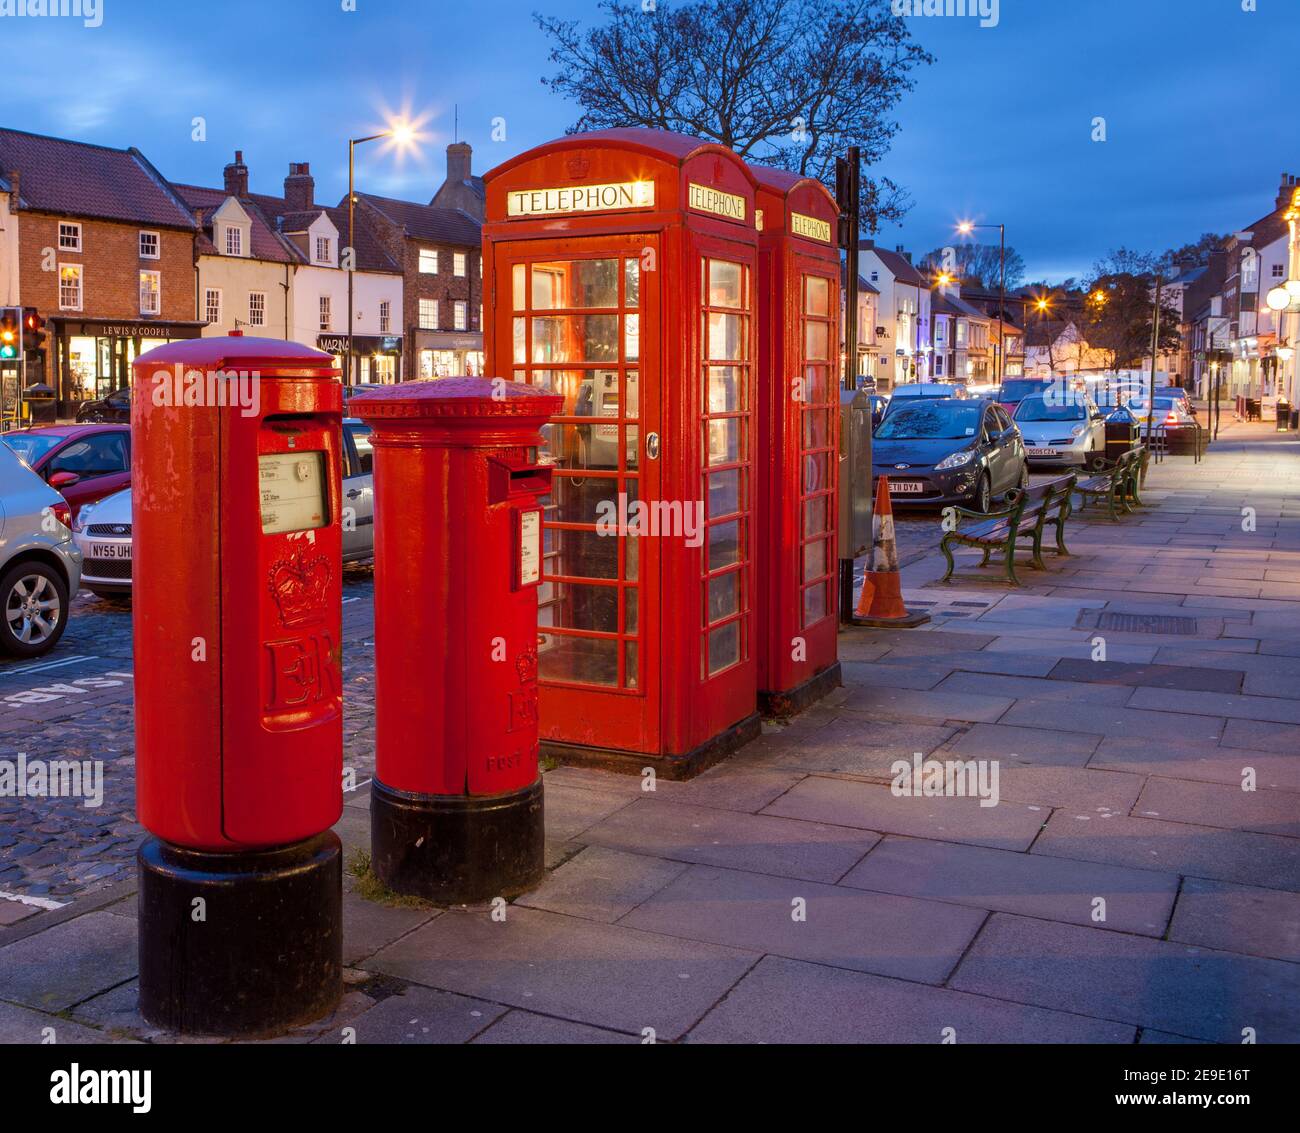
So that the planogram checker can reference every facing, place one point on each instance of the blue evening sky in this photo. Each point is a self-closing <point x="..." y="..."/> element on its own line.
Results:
<point x="998" y="129"/>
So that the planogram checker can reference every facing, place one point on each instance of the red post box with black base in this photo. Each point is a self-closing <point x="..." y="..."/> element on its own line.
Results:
<point x="236" y="483"/>
<point x="456" y="803"/>
<point x="798" y="430"/>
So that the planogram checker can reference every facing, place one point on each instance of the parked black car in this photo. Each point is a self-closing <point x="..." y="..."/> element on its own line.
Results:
<point x="115" y="408"/>
<point x="940" y="451"/>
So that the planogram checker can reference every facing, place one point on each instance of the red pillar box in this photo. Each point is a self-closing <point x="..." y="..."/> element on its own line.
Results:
<point x="620" y="273"/>
<point x="798" y="429"/>
<point x="456" y="805"/>
<point x="236" y="485"/>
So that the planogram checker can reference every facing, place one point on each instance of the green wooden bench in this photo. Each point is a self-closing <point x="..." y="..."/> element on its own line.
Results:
<point x="1118" y="486"/>
<point x="1030" y="511"/>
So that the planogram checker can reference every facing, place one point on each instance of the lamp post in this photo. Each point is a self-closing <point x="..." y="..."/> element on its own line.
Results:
<point x="966" y="227"/>
<point x="403" y="133"/>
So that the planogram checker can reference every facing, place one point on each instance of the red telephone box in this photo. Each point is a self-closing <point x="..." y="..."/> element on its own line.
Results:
<point x="620" y="272"/>
<point x="236" y="513"/>
<point x="798" y="384"/>
<point x="456" y="805"/>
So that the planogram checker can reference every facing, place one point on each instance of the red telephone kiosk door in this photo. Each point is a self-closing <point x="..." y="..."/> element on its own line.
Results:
<point x="620" y="272"/>
<point x="799" y="313"/>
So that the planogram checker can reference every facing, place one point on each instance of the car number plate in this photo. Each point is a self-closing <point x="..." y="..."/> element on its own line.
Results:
<point x="1041" y="451"/>
<point x="905" y="486"/>
<point x="109" y="550"/>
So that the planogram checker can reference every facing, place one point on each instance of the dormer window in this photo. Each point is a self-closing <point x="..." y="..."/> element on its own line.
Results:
<point x="323" y="250"/>
<point x="234" y="241"/>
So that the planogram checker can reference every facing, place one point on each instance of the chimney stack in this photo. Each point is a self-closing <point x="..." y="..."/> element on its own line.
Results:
<point x="906" y="255"/>
<point x="458" y="162"/>
<point x="237" y="176"/>
<point x="1287" y="190"/>
<point x="15" y="187"/>
<point x="299" y="187"/>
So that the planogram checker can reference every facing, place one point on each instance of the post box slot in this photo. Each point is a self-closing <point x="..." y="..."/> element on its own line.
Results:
<point x="510" y="478"/>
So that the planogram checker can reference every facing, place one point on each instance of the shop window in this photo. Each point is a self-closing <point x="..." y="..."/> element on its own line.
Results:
<point x="70" y="286"/>
<point x="257" y="308"/>
<point x="428" y="261"/>
<point x="428" y="314"/>
<point x="149" y="246"/>
<point x="69" y="237"/>
<point x="212" y="305"/>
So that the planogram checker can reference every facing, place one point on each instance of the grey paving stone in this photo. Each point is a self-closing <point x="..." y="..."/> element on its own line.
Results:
<point x="571" y="810"/>
<point x="1031" y="884"/>
<point x="788" y="1001"/>
<point x="1269" y="708"/>
<point x="1238" y="918"/>
<point x="607" y="975"/>
<point x="1164" y="1037"/>
<point x="1174" y="847"/>
<point x="1042" y="746"/>
<point x="738" y="784"/>
<point x="1221" y="804"/>
<point x="914" y="676"/>
<point x="601" y="884"/>
<point x="117" y="1011"/>
<point x="1204" y="762"/>
<point x="916" y="705"/>
<point x="1262" y="735"/>
<point x="1150" y="676"/>
<point x="1115" y="651"/>
<point x="1111" y="720"/>
<point x="11" y="912"/>
<point x="527" y="1028"/>
<point x="72" y="961"/>
<point x="1035" y="688"/>
<point x="760" y="843"/>
<point x="419" y="1015"/>
<point x="847" y="928"/>
<point x="1151" y="983"/>
<point x="19" y="1025"/>
<point x="871" y="806"/>
<point x="369" y="925"/>
<point x="981" y="661"/>
<point x="848" y="744"/>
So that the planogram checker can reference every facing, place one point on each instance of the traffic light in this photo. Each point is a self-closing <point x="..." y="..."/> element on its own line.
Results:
<point x="10" y="333"/>
<point x="33" y="331"/>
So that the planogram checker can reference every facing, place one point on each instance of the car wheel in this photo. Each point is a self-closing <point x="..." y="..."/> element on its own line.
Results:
<point x="33" y="609"/>
<point x="982" y="501"/>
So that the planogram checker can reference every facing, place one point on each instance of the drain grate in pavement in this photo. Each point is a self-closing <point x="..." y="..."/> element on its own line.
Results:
<point x="1119" y="622"/>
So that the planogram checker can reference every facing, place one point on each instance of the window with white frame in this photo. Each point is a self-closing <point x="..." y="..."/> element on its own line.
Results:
<point x="234" y="240"/>
<point x="257" y="308"/>
<point x="149" y="246"/>
<point x="150" y="292"/>
<point x="69" y="287"/>
<point x="961" y="332"/>
<point x="212" y="304"/>
<point x="938" y="365"/>
<point x="428" y="261"/>
<point x="428" y="314"/>
<point x="69" y="236"/>
<point x="458" y="263"/>
<point x="323" y="250"/>
<point x="324" y="312"/>
<point x="458" y="315"/>
<point x="1278" y="269"/>
<point x="385" y="316"/>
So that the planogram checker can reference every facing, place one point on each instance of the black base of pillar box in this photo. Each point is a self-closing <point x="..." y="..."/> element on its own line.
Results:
<point x="457" y="849"/>
<point x="264" y="950"/>
<point x="672" y="767"/>
<point x="794" y="700"/>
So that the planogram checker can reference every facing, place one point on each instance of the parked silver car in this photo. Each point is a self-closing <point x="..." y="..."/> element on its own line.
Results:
<point x="40" y="567"/>
<point x="1062" y="430"/>
<point x="103" y="529"/>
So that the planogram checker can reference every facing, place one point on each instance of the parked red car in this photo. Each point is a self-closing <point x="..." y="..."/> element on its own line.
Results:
<point x="82" y="462"/>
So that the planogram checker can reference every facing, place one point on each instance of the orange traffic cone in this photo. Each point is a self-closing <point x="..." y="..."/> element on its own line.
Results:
<point x="881" y="602"/>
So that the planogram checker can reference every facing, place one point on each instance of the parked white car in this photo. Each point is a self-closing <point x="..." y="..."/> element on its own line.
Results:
<point x="1062" y="432"/>
<point x="40" y="566"/>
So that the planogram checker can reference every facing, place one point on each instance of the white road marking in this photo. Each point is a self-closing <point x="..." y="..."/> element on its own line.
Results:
<point x="42" y="666"/>
<point x="38" y="902"/>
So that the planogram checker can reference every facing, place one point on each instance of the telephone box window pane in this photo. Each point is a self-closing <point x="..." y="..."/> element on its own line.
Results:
<point x="725" y="338"/>
<point x="585" y="554"/>
<point x="724" y="544"/>
<point x="518" y="286"/>
<point x="814" y="473"/>
<point x="725" y="388"/>
<point x="816" y="340"/>
<point x="631" y="283"/>
<point x="631" y="557"/>
<point x="587" y="660"/>
<point x="817" y="295"/>
<point x="724" y="647"/>
<point x="723" y="440"/>
<point x="592" y="447"/>
<point x="575" y="338"/>
<point x="632" y="337"/>
<point x="816" y="428"/>
<point x="520" y="342"/>
<point x="814" y="515"/>
<point x="630" y="674"/>
<point x="724" y="492"/>
<point x="629" y="609"/>
<point x="724" y="596"/>
<point x="726" y="285"/>
<point x="632" y="445"/>
<point x="585" y="607"/>
<point x="585" y="499"/>
<point x="632" y="396"/>
<point x="814" y="559"/>
<point x="575" y="283"/>
<point x="816" y="385"/>
<point x="586" y="393"/>
<point x="814" y="603"/>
